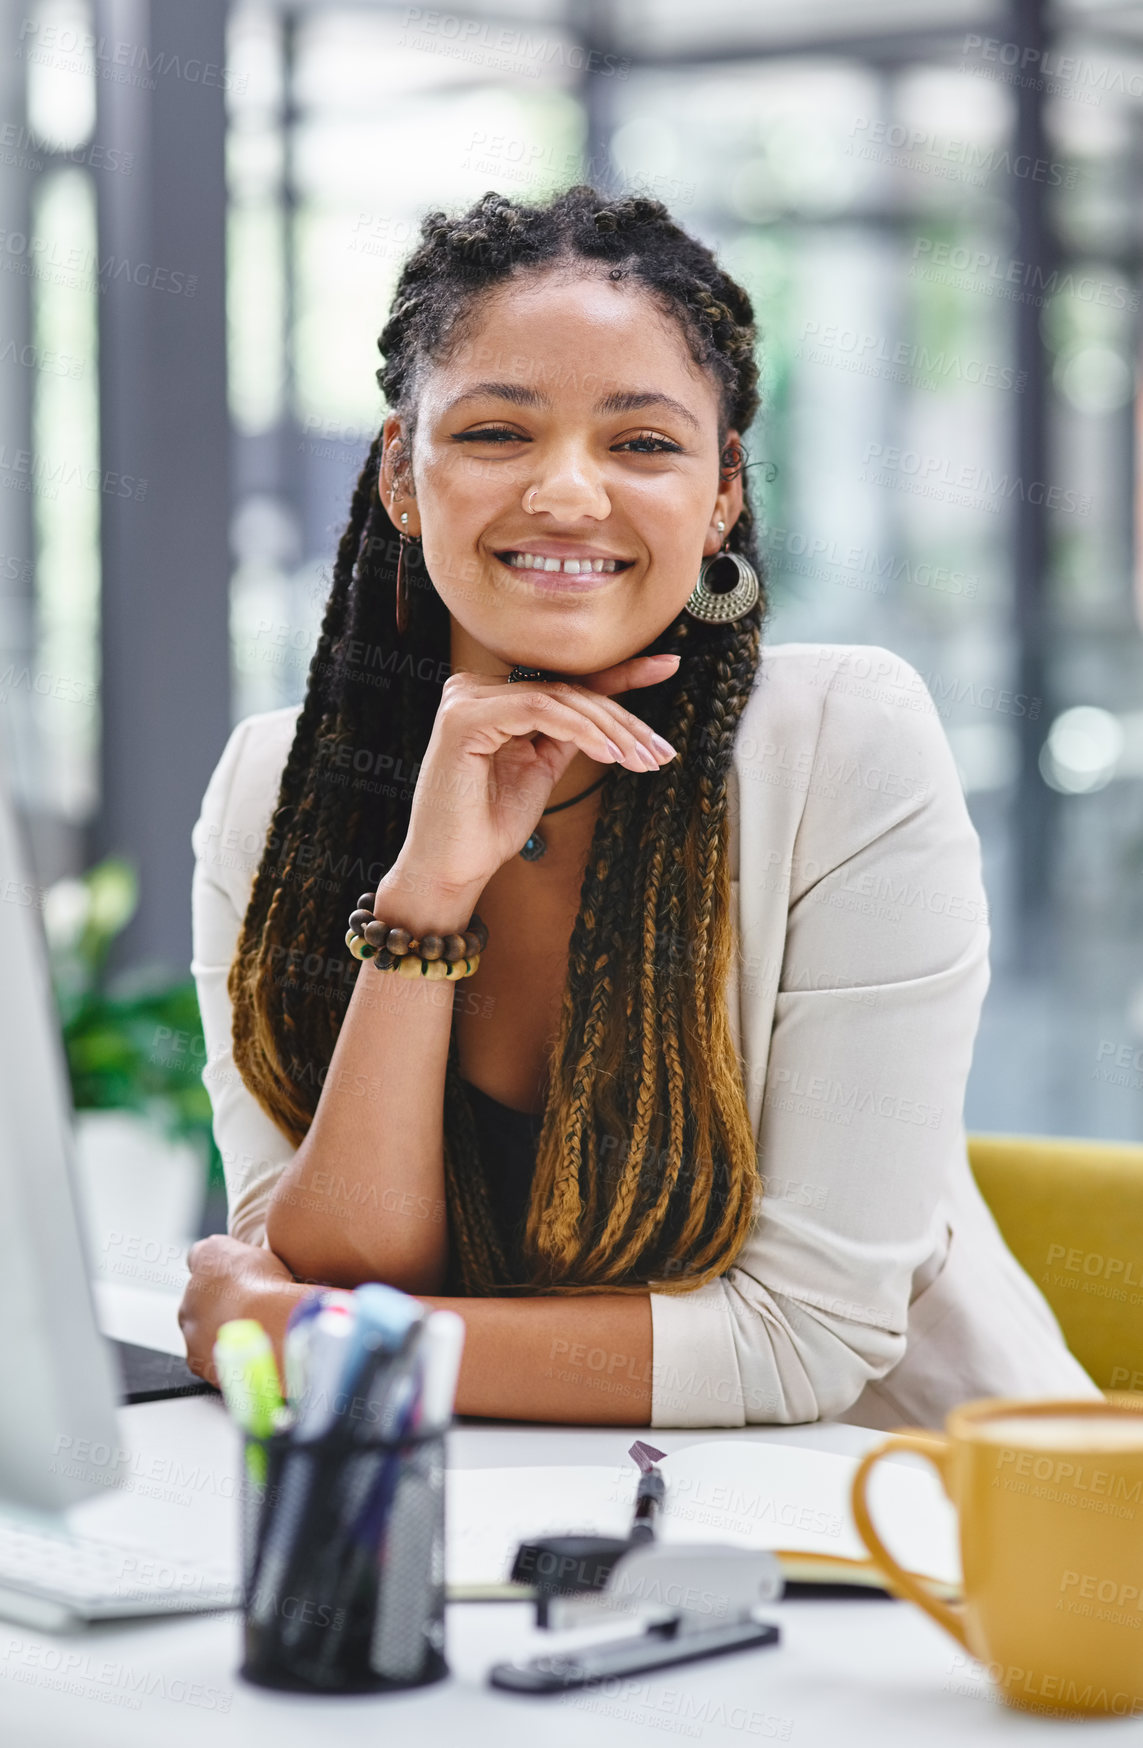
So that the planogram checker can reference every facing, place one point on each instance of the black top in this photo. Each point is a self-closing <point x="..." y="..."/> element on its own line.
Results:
<point x="507" y="1141"/>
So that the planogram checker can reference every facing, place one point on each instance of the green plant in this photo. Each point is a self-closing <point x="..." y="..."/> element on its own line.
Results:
<point x="133" y="1041"/>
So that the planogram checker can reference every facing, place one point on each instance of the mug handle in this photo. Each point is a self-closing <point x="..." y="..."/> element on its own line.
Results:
<point x="936" y="1448"/>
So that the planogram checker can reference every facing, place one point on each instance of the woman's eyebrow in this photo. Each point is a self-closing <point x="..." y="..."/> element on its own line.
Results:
<point x="636" y="400"/>
<point x="516" y="392"/>
<point x="622" y="401"/>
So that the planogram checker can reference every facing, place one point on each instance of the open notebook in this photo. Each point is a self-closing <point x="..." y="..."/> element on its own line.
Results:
<point x="794" y="1501"/>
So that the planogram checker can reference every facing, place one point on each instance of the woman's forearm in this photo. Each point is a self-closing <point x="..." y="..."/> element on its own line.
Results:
<point x="584" y="1360"/>
<point x="363" y="1197"/>
<point x="581" y="1359"/>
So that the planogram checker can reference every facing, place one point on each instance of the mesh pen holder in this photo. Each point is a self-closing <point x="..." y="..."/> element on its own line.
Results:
<point x="343" y="1562"/>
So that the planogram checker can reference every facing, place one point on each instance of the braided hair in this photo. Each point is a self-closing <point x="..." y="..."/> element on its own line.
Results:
<point x="646" y="1170"/>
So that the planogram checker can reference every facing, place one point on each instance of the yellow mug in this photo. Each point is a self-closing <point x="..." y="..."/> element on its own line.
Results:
<point x="1049" y="1498"/>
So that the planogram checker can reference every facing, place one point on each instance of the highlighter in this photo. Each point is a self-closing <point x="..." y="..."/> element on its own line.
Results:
<point x="251" y="1388"/>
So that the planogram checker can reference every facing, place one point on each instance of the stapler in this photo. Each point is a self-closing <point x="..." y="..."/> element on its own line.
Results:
<point x="696" y="1600"/>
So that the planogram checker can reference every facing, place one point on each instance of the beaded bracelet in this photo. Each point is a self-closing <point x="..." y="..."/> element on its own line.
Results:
<point x="392" y="948"/>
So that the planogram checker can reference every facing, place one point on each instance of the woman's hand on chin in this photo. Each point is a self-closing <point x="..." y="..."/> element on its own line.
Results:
<point x="231" y="1279"/>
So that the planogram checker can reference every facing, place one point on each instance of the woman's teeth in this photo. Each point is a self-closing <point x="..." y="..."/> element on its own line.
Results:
<point x="571" y="567"/>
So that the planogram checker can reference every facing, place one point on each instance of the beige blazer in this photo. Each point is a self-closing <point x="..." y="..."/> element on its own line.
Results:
<point x="875" y="1286"/>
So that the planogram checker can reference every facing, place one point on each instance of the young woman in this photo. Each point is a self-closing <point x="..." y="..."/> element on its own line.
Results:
<point x="683" y="1139"/>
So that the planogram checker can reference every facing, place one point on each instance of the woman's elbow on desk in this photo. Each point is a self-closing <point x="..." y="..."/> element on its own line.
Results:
<point x="735" y="1354"/>
<point x="410" y="1252"/>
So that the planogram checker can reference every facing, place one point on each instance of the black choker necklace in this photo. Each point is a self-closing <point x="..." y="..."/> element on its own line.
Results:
<point x="536" y="845"/>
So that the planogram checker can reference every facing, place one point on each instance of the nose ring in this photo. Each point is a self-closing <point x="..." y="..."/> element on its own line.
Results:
<point x="528" y="501"/>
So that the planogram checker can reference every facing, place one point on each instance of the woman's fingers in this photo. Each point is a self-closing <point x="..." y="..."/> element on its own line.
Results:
<point x="562" y="712"/>
<point x="635" y="671"/>
<point x="497" y="719"/>
<point x="545" y="706"/>
<point x="631" y="732"/>
<point x="607" y="735"/>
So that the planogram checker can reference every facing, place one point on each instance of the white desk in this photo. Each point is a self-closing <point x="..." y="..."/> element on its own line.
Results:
<point x="845" y="1675"/>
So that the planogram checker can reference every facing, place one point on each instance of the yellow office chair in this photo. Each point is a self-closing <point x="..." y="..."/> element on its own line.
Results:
<point x="1071" y="1212"/>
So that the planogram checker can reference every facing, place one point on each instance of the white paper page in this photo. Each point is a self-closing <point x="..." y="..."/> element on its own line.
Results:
<point x="752" y="1495"/>
<point x="489" y="1512"/>
<point x="783" y="1496"/>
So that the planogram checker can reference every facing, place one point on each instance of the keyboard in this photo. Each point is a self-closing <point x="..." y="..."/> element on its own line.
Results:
<point x="57" y="1579"/>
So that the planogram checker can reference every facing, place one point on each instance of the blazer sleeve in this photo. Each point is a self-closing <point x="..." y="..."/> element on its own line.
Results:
<point x="882" y="980"/>
<point x="254" y="1150"/>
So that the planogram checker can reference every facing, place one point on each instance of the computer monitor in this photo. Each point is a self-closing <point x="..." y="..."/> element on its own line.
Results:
<point x="58" y="1389"/>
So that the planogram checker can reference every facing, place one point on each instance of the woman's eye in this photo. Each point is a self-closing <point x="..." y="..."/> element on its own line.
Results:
<point x="490" y="434"/>
<point x="645" y="444"/>
<point x="649" y="445"/>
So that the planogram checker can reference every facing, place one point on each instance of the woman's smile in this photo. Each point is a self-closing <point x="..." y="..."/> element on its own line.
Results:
<point x="563" y="560"/>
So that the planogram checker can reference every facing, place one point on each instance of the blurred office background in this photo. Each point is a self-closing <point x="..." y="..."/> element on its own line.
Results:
<point x="934" y="204"/>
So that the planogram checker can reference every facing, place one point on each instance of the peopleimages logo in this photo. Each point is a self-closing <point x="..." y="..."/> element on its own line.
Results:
<point x="55" y="44"/>
<point x="92" y="1676"/>
<point x="984" y="269"/>
<point x="45" y="257"/>
<point x="1097" y="1266"/>
<point x="932" y="472"/>
<point x="1078" y="1477"/>
<point x="1048" y="68"/>
<point x="874" y="354"/>
<point x="1036" y="1691"/>
<point x="980" y="162"/>
<point x="851" y="1099"/>
<point x="466" y="37"/>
